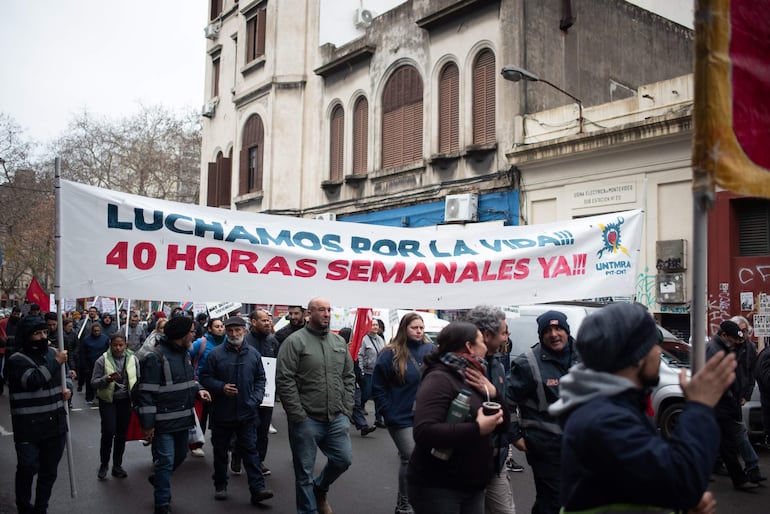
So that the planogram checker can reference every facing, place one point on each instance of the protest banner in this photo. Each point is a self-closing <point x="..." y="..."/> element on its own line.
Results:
<point x="148" y="248"/>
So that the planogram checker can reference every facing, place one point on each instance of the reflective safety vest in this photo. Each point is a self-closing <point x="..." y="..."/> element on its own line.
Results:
<point x="106" y="393"/>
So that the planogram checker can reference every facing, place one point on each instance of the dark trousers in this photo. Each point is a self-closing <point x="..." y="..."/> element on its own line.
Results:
<point x="245" y="433"/>
<point x="115" y="418"/>
<point x="544" y="455"/>
<point x="765" y="399"/>
<point x="41" y="459"/>
<point x="730" y="447"/>
<point x="84" y="378"/>
<point x="263" y="431"/>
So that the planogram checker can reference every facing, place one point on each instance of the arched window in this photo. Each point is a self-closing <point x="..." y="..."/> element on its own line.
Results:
<point x="484" y="98"/>
<point x="402" y="118"/>
<point x="449" y="109"/>
<point x="337" y="144"/>
<point x="360" y="136"/>
<point x="252" y="153"/>
<point x="218" y="191"/>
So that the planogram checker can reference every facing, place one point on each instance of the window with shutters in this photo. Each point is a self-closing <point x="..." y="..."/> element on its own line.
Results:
<point x="360" y="136"/>
<point x="449" y="109"/>
<point x="402" y="118"/>
<point x="337" y="144"/>
<point x="484" y="98"/>
<point x="255" y="34"/>
<point x="753" y="217"/>
<point x="216" y="9"/>
<point x="252" y="154"/>
<point x="218" y="191"/>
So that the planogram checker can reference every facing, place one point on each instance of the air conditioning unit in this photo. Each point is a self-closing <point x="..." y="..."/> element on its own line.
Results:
<point x="326" y="216"/>
<point x="464" y="207"/>
<point x="208" y="110"/>
<point x="212" y="31"/>
<point x="363" y="18"/>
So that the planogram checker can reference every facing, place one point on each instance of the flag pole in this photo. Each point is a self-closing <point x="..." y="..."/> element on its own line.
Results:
<point x="59" y="326"/>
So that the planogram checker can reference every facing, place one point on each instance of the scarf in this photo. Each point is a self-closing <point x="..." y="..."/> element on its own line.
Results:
<point x="460" y="361"/>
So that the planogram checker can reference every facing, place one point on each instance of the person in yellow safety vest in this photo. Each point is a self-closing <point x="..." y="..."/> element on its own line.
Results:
<point x="116" y="372"/>
<point x="613" y="458"/>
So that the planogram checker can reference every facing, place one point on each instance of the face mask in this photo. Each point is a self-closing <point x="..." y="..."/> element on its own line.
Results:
<point x="38" y="345"/>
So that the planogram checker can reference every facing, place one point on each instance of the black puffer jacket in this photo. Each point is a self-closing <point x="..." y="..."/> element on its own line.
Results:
<point x="167" y="389"/>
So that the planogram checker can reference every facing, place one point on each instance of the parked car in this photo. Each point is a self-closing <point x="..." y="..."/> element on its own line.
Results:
<point x="667" y="398"/>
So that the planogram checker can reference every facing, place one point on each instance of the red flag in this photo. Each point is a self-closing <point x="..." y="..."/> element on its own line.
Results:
<point x="363" y="326"/>
<point x="36" y="294"/>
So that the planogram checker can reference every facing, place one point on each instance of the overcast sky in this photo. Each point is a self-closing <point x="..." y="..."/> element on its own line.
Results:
<point x="58" y="57"/>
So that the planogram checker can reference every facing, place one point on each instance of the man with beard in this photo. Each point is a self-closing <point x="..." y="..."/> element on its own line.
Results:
<point x="614" y="460"/>
<point x="37" y="397"/>
<point x="235" y="377"/>
<point x="166" y="394"/>
<point x="296" y="322"/>
<point x="532" y="385"/>
<point x="316" y="384"/>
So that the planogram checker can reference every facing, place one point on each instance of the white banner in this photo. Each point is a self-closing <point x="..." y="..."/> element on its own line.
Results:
<point x="120" y="244"/>
<point x="269" y="363"/>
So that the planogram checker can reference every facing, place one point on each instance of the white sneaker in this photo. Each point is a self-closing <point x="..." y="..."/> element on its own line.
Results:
<point x="272" y="429"/>
<point x="198" y="452"/>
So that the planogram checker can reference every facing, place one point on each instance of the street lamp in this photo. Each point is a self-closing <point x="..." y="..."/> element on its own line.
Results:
<point x="515" y="74"/>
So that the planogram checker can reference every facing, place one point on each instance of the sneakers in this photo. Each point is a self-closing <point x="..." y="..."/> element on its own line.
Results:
<point x="260" y="496"/>
<point x="102" y="474"/>
<point x="220" y="493"/>
<point x="118" y="471"/>
<point x="235" y="464"/>
<point x="380" y="424"/>
<point x="162" y="509"/>
<point x="755" y="475"/>
<point x="745" y="486"/>
<point x="403" y="506"/>
<point x="272" y="429"/>
<point x="265" y="470"/>
<point x="198" y="452"/>
<point x="322" y="504"/>
<point x="512" y="465"/>
<point x="367" y="430"/>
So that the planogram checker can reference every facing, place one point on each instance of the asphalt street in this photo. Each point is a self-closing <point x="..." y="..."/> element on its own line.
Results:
<point x="368" y="487"/>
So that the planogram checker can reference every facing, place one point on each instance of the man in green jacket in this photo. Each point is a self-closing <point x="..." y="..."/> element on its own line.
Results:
<point x="316" y="383"/>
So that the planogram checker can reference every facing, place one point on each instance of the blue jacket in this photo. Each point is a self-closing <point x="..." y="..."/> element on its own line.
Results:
<point x="242" y="366"/>
<point x="266" y="345"/>
<point x="91" y="348"/>
<point x="497" y="375"/>
<point x="612" y="453"/>
<point x="393" y="400"/>
<point x="211" y="343"/>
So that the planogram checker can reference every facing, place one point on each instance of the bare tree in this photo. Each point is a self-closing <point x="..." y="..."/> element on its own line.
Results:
<point x="153" y="153"/>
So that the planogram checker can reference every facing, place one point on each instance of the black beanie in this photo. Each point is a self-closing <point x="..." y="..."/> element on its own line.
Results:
<point x="178" y="327"/>
<point x="550" y="318"/>
<point x="616" y="337"/>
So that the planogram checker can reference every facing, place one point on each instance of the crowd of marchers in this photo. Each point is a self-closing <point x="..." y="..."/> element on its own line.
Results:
<point x="454" y="408"/>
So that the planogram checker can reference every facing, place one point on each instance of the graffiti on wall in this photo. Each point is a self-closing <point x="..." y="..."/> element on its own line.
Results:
<point x="645" y="288"/>
<point x="754" y="275"/>
<point x="719" y="308"/>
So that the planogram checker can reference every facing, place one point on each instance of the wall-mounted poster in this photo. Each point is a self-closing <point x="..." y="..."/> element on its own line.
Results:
<point x="747" y="301"/>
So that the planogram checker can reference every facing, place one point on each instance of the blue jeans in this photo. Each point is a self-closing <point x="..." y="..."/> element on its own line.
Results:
<point x="434" y="500"/>
<point x="305" y="438"/>
<point x="245" y="433"/>
<point x="42" y="459"/>
<point x="402" y="438"/>
<point x="749" y="456"/>
<point x="168" y="452"/>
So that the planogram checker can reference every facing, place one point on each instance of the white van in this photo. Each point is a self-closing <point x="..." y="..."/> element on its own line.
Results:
<point x="667" y="398"/>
